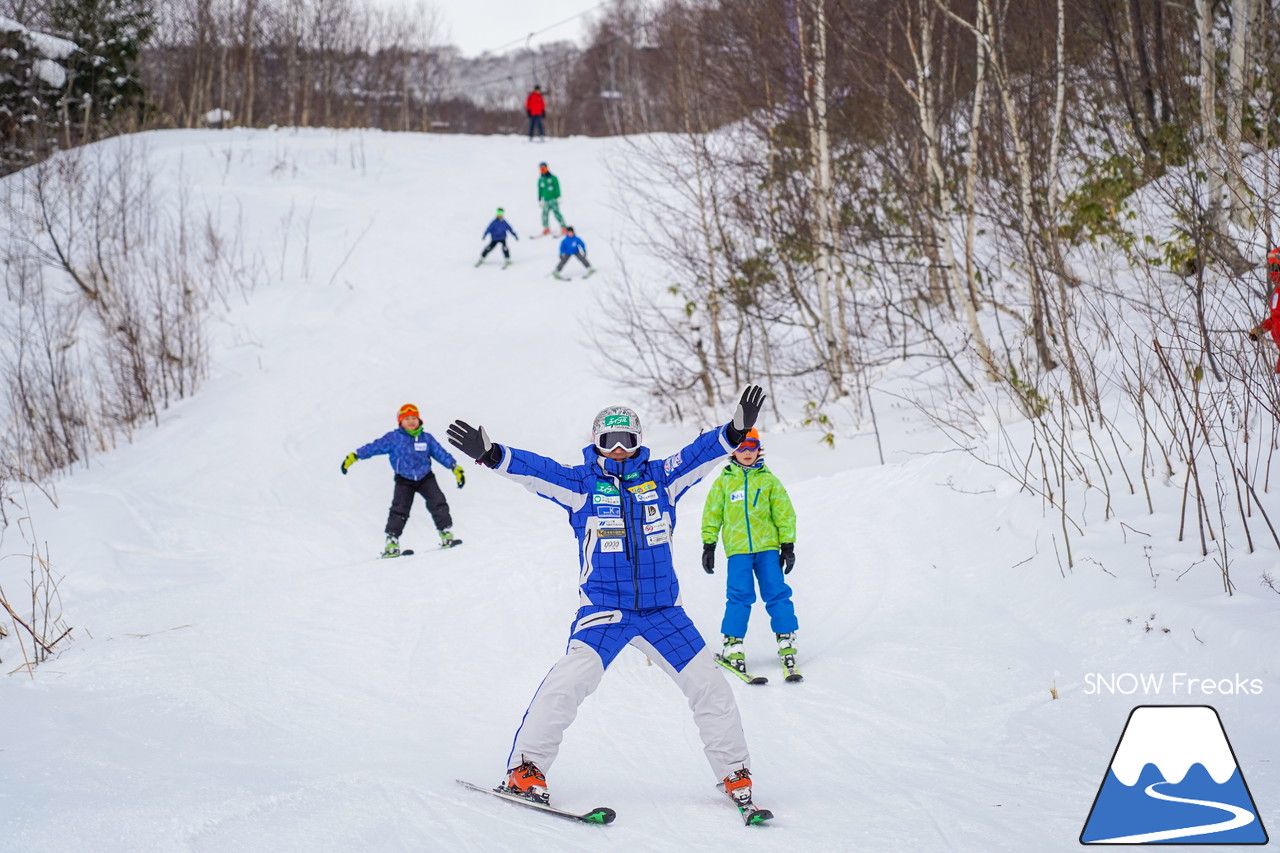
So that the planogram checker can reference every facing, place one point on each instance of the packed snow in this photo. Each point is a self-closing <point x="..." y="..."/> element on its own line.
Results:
<point x="246" y="674"/>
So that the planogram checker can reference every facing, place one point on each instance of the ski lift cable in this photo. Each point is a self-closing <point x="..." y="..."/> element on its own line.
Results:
<point x="600" y="5"/>
<point x="510" y="78"/>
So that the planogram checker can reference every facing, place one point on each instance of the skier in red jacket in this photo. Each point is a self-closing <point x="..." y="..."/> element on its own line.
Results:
<point x="536" y="108"/>
<point x="1271" y="323"/>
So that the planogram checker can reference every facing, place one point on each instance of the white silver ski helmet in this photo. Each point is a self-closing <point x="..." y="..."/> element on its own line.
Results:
<point x="614" y="426"/>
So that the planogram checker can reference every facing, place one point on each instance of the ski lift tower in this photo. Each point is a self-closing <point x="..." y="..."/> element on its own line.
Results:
<point x="613" y="98"/>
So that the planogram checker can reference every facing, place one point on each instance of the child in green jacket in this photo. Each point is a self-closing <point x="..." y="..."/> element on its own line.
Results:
<point x="549" y="197"/>
<point x="752" y="509"/>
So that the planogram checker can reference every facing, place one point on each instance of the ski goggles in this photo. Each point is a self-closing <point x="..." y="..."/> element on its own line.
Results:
<point x="607" y="441"/>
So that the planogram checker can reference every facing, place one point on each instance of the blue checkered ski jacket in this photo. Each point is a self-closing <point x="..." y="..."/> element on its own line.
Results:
<point x="623" y="514"/>
<point x="410" y="455"/>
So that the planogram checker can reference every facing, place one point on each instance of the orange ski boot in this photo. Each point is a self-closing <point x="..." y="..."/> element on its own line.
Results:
<point x="738" y="786"/>
<point x="528" y="781"/>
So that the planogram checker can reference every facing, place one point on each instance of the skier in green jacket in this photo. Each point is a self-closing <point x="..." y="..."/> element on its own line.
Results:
<point x="749" y="505"/>
<point x="549" y="197"/>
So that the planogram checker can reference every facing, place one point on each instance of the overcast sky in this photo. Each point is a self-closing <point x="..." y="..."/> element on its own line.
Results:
<point x="497" y="26"/>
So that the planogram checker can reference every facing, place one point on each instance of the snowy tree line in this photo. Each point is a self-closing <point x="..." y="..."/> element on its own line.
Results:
<point x="1062" y="207"/>
<point x="130" y="65"/>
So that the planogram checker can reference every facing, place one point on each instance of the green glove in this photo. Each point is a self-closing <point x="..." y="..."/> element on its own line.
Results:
<point x="348" y="462"/>
<point x="460" y="475"/>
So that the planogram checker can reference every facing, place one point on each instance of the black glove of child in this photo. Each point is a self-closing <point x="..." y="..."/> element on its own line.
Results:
<point x="709" y="557"/>
<point x="474" y="442"/>
<point x="787" y="557"/>
<point x="744" y="416"/>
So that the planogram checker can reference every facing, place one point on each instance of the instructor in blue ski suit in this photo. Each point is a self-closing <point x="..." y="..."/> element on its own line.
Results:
<point x="621" y="505"/>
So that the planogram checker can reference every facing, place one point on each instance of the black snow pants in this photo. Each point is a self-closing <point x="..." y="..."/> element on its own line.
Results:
<point x="489" y="248"/>
<point x="402" y="503"/>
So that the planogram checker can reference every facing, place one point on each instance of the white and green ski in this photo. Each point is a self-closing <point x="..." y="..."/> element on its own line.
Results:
<point x="741" y="673"/>
<point x="600" y="815"/>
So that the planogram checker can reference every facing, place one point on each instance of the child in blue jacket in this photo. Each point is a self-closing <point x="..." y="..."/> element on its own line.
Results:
<point x="572" y="247"/>
<point x="497" y="233"/>
<point x="410" y="449"/>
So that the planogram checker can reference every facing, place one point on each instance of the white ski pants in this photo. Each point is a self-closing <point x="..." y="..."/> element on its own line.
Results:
<point x="576" y="676"/>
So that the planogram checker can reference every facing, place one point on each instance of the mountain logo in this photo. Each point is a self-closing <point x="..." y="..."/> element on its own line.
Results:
<point x="1173" y="779"/>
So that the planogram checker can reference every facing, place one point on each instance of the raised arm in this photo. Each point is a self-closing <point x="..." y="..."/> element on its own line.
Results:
<point x="543" y="476"/>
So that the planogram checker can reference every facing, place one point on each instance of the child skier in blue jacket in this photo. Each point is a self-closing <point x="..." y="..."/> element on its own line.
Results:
<point x="621" y="504"/>
<point x="410" y="449"/>
<point x="572" y="247"/>
<point x="497" y="233"/>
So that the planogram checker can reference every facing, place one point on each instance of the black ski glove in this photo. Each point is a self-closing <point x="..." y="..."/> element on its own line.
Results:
<point x="474" y="442"/>
<point x="744" y="416"/>
<point x="787" y="557"/>
<point x="709" y="557"/>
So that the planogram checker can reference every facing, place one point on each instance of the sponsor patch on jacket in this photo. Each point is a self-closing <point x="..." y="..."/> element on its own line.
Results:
<point x="610" y="546"/>
<point x="648" y="496"/>
<point x="658" y="538"/>
<point x="647" y="486"/>
<point x="656" y="527"/>
<point x="613" y="500"/>
<point x="651" y="512"/>
<point x="611" y="533"/>
<point x="670" y="463"/>
<point x="419" y="445"/>
<point x="609" y="523"/>
<point x="739" y="495"/>
<point x="634" y="475"/>
<point x="606" y="488"/>
<point x="608" y="511"/>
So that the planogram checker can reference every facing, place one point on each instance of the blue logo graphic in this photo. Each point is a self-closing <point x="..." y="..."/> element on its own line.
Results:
<point x="1173" y="779"/>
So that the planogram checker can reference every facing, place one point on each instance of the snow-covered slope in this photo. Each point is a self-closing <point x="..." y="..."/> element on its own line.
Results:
<point x="248" y="676"/>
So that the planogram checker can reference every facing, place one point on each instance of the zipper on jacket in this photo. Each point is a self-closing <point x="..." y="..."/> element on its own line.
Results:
<point x="746" y="510"/>
<point x="633" y="547"/>
<point x="630" y="552"/>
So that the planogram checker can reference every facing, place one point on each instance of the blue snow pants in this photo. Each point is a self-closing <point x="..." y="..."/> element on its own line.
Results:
<point x="744" y="571"/>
